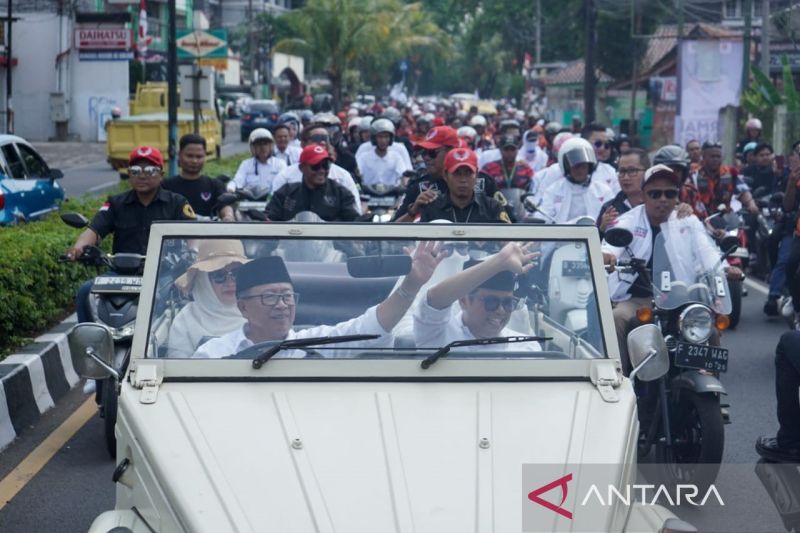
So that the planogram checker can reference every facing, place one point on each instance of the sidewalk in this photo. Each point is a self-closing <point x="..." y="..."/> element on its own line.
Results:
<point x="68" y="155"/>
<point x="33" y="378"/>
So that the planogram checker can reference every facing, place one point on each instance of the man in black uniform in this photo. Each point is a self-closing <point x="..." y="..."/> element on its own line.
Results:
<point x="461" y="203"/>
<point x="315" y="192"/>
<point x="129" y="215"/>
<point x="201" y="191"/>
<point x="424" y="190"/>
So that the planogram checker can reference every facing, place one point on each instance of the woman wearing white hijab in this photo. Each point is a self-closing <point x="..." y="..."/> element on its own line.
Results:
<point x="211" y="283"/>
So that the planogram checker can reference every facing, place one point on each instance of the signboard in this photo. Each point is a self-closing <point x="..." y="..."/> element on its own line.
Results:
<point x="202" y="43"/>
<point x="106" y="55"/>
<point x="664" y="89"/>
<point x="213" y="62"/>
<point x="103" y="38"/>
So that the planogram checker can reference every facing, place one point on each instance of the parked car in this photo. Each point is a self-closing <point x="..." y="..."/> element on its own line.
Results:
<point x="29" y="189"/>
<point x="387" y="417"/>
<point x="233" y="103"/>
<point x="259" y="114"/>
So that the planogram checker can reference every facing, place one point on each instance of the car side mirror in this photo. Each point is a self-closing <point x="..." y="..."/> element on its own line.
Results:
<point x="91" y="348"/>
<point x="648" y="353"/>
<point x="75" y="220"/>
<point x="56" y="174"/>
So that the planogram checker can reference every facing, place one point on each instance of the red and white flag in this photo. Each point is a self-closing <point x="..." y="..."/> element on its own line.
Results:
<point x="142" y="39"/>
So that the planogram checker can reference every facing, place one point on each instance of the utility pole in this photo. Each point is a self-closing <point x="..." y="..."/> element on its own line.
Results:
<point x="172" y="83"/>
<point x="633" y="130"/>
<point x="9" y="58"/>
<point x="748" y="28"/>
<point x="251" y="39"/>
<point x="765" y="36"/>
<point x="538" y="31"/>
<point x="589" y="81"/>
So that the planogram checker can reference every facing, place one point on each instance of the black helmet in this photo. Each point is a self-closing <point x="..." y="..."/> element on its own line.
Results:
<point x="509" y="124"/>
<point x="673" y="156"/>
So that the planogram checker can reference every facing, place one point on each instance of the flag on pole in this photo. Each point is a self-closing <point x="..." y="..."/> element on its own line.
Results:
<point x="142" y="39"/>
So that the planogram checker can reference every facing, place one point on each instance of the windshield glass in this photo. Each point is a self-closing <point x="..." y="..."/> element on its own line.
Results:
<point x="223" y="297"/>
<point x="688" y="274"/>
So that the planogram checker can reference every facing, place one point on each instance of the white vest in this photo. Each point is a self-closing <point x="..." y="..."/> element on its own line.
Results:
<point x="557" y="198"/>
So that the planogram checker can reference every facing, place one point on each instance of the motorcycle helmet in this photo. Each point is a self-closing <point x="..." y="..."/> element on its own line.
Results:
<point x="574" y="152"/>
<point x="508" y="124"/>
<point x="381" y="125"/>
<point x="326" y="119"/>
<point x="675" y="157"/>
<point x="467" y="133"/>
<point x="478" y="121"/>
<point x="305" y="116"/>
<point x="559" y="141"/>
<point x="552" y="128"/>
<point x="393" y="115"/>
<point x="260" y="134"/>
<point x="753" y="124"/>
<point x="288" y="117"/>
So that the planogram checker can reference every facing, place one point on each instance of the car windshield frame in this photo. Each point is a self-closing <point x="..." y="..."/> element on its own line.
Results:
<point x="391" y="368"/>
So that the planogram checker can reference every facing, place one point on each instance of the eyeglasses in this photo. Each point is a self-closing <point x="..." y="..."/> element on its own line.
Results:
<point x="492" y="303"/>
<point x="602" y="144"/>
<point x="431" y="154"/>
<point x="322" y="165"/>
<point x="319" y="138"/>
<point x="148" y="171"/>
<point x="630" y="171"/>
<point x="669" y="194"/>
<point x="271" y="299"/>
<point x="221" y="276"/>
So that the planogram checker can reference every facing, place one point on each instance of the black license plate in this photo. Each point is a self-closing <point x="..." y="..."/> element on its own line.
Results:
<point x="700" y="356"/>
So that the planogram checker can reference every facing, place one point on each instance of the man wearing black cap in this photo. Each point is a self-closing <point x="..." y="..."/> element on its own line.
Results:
<point x="485" y="293"/>
<point x="266" y="298"/>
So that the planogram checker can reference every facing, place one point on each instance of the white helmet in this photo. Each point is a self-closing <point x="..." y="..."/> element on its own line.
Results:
<point x="381" y="125"/>
<point x="365" y="123"/>
<point x="754" y="124"/>
<point x="467" y="132"/>
<point x="574" y="152"/>
<point x="352" y="112"/>
<point x="259" y="134"/>
<point x="478" y="120"/>
<point x="559" y="141"/>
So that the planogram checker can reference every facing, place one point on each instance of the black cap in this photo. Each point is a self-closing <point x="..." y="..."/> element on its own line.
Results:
<point x="509" y="140"/>
<point x="261" y="271"/>
<point x="502" y="281"/>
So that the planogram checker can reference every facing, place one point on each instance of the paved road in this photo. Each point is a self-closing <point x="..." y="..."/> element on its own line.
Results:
<point x="85" y="167"/>
<point x="76" y="484"/>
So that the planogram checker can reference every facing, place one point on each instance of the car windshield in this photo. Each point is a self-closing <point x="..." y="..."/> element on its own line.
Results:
<point x="222" y="297"/>
<point x="262" y="108"/>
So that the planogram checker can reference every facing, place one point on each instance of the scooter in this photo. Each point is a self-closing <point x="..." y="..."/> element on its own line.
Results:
<point x="728" y="225"/>
<point x="382" y="200"/>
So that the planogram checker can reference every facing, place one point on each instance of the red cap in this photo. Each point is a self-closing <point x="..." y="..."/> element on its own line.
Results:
<point x="148" y="153"/>
<point x="460" y="157"/>
<point x="438" y="121"/>
<point x="313" y="154"/>
<point x="439" y="137"/>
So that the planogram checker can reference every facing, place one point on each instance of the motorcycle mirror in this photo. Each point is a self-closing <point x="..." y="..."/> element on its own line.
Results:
<point x="75" y="220"/>
<point x="648" y="353"/>
<point x="618" y="237"/>
<point x="379" y="266"/>
<point x="584" y="221"/>
<point x="226" y="198"/>
<point x="729" y="244"/>
<point x="92" y="350"/>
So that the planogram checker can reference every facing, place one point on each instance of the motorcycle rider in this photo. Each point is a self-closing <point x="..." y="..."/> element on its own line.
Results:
<point x="509" y="171"/>
<point x="632" y="167"/>
<point x="380" y="165"/>
<point x="202" y="191"/>
<point x="314" y="192"/>
<point x="715" y="184"/>
<point x="532" y="152"/>
<point x="752" y="133"/>
<point x="257" y="174"/>
<point x="333" y="125"/>
<point x="293" y="122"/>
<point x="129" y="215"/>
<point x="552" y="173"/>
<point x="785" y="272"/>
<point x="396" y="147"/>
<point x="695" y="154"/>
<point x="289" y="154"/>
<point x="579" y="194"/>
<point x="597" y="135"/>
<point x="661" y="188"/>
<point x="762" y="172"/>
<point x="508" y="127"/>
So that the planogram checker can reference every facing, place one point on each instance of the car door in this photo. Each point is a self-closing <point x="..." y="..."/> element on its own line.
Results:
<point x="17" y="190"/>
<point x="47" y="192"/>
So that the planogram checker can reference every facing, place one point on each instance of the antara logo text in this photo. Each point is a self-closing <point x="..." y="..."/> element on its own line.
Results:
<point x="646" y="494"/>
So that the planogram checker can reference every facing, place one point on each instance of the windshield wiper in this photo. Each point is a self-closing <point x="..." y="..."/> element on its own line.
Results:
<point x="443" y="351"/>
<point x="259" y="361"/>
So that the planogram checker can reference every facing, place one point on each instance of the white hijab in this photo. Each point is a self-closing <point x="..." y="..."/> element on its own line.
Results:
<point x="202" y="318"/>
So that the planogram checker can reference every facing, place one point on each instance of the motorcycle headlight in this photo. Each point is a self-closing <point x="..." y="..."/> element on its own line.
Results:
<point x="696" y="323"/>
<point x="123" y="332"/>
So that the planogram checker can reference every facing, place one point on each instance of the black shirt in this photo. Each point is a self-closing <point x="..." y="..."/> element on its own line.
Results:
<point x="761" y="177"/>
<point x="482" y="209"/>
<point x="202" y="193"/>
<point x="639" y="289"/>
<point x="333" y="202"/>
<point x="129" y="220"/>
<point x="619" y="202"/>
<point x="484" y="184"/>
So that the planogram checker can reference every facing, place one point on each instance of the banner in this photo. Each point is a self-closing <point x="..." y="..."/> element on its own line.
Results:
<point x="711" y="78"/>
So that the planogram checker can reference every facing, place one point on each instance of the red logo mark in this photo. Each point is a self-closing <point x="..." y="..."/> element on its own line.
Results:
<point x="560" y="482"/>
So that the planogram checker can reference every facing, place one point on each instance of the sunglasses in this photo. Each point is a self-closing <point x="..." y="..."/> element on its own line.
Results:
<point x="602" y="144"/>
<point x="669" y="194"/>
<point x="271" y="299"/>
<point x="492" y="303"/>
<point x="319" y="138"/>
<point x="431" y="154"/>
<point x="322" y="165"/>
<point x="221" y="276"/>
<point x="148" y="171"/>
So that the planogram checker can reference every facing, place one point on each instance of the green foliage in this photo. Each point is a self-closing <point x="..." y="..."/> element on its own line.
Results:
<point x="227" y="165"/>
<point x="763" y="95"/>
<point x="267" y="29"/>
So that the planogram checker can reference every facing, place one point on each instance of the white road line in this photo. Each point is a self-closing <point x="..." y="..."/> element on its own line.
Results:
<point x="757" y="286"/>
<point x="102" y="186"/>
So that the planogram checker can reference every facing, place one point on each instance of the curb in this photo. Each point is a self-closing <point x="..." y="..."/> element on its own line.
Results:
<point x="33" y="378"/>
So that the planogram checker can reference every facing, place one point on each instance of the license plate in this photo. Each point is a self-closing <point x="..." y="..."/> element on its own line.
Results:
<point x="109" y="280"/>
<point x="700" y="356"/>
<point x="378" y="201"/>
<point x="261" y="121"/>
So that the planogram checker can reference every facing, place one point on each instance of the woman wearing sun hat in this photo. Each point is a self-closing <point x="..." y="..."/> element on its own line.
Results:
<point x="211" y="283"/>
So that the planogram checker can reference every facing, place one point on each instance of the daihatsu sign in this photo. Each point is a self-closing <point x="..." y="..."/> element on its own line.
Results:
<point x="103" y="39"/>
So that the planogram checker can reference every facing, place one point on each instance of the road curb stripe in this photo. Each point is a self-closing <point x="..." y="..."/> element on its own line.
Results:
<point x="33" y="362"/>
<point x="16" y="480"/>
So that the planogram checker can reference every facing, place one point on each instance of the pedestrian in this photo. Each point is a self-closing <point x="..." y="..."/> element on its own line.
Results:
<point x="785" y="446"/>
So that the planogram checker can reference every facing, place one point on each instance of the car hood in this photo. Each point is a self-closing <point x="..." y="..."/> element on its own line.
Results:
<point x="422" y="457"/>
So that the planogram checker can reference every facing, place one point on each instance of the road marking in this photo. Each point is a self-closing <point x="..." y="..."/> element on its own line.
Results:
<point x="757" y="286"/>
<point x="16" y="480"/>
<point x="102" y="186"/>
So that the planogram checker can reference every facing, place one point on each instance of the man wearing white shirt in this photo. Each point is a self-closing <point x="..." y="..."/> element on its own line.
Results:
<point x="379" y="166"/>
<point x="257" y="175"/>
<point x="283" y="149"/>
<point x="398" y="148"/>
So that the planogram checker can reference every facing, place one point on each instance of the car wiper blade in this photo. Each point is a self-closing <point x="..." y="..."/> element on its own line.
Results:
<point x="441" y="352"/>
<point x="259" y="361"/>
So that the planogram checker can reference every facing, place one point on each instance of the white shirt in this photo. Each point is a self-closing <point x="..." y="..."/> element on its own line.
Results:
<point x="608" y="175"/>
<point x="291" y="156"/>
<point x="557" y="200"/>
<point x="365" y="324"/>
<point x="292" y="174"/>
<point x="542" y="180"/>
<point x="437" y="327"/>
<point x="399" y="148"/>
<point x="257" y="177"/>
<point x="534" y="155"/>
<point x="386" y="169"/>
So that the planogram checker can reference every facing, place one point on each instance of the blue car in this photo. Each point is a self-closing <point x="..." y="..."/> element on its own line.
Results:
<point x="29" y="189"/>
<point x="259" y="114"/>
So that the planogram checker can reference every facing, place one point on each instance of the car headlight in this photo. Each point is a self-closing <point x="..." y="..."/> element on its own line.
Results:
<point x="696" y="323"/>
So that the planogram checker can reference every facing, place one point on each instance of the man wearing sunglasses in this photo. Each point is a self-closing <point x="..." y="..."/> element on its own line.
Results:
<point x="129" y="215"/>
<point x="597" y="135"/>
<point x="484" y="291"/>
<point x="315" y="192"/>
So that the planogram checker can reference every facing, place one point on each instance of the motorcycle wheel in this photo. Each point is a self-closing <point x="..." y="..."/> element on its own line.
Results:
<point x="735" y="286"/>
<point x="110" y="414"/>
<point x="698" y="439"/>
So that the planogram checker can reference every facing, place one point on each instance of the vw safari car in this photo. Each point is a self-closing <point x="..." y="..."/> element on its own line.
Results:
<point x="374" y="378"/>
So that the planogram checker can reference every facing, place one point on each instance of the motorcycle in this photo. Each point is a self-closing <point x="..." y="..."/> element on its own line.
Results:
<point x="680" y="410"/>
<point x="113" y="303"/>
<point x="726" y="224"/>
<point x="382" y="200"/>
<point x="768" y="220"/>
